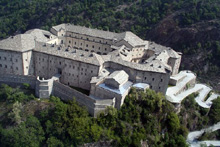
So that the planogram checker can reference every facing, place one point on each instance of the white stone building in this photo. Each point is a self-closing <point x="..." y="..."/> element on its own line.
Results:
<point x="105" y="63"/>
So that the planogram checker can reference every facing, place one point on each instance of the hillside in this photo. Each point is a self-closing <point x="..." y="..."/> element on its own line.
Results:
<point x="189" y="26"/>
<point x="145" y="119"/>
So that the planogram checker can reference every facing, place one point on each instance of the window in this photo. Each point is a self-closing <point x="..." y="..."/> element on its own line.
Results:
<point x="87" y="38"/>
<point x="86" y="45"/>
<point x="0" y="58"/>
<point x="161" y="80"/>
<point x="5" y="58"/>
<point x="60" y="63"/>
<point x="93" y="46"/>
<point x="16" y="68"/>
<point x="70" y="66"/>
<point x="152" y="79"/>
<point x="81" y="44"/>
<point x="69" y="41"/>
<point x="75" y="43"/>
<point x="26" y="67"/>
<point x="0" y="65"/>
<point x="91" y="71"/>
<point x="5" y="66"/>
<point x="145" y="78"/>
<point x="105" y="49"/>
<point x="73" y="67"/>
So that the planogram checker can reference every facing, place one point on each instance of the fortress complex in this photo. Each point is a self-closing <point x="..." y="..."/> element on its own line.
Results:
<point x="105" y="63"/>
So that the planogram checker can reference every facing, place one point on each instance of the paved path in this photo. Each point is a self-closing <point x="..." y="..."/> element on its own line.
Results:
<point x="192" y="136"/>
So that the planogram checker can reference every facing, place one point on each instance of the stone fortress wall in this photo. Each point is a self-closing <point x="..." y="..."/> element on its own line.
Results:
<point x="59" y="90"/>
<point x="84" y="58"/>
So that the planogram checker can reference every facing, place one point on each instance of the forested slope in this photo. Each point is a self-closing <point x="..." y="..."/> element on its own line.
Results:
<point x="189" y="26"/>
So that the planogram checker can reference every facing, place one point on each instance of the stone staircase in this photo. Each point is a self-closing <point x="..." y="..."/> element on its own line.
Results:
<point x="184" y="85"/>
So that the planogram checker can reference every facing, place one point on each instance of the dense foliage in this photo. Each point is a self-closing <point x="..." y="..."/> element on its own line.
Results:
<point x="139" y="16"/>
<point x="146" y="117"/>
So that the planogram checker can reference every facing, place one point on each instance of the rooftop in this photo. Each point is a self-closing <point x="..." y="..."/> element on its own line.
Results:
<point x="21" y="42"/>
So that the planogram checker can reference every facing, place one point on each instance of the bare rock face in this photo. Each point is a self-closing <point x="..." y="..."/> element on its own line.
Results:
<point x="170" y="32"/>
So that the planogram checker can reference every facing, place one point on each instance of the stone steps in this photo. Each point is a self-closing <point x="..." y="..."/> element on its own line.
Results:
<point x="178" y="98"/>
<point x="186" y="78"/>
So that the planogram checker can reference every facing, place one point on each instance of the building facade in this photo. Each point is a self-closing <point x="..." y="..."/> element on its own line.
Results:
<point x="105" y="63"/>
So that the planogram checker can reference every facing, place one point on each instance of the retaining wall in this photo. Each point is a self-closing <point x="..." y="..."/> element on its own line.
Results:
<point x="17" y="80"/>
<point x="59" y="90"/>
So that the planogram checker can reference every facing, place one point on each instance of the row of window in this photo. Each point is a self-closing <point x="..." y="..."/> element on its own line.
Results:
<point x="106" y="42"/>
<point x="145" y="78"/>
<point x="5" y="58"/>
<point x="81" y="44"/>
<point x="6" y="66"/>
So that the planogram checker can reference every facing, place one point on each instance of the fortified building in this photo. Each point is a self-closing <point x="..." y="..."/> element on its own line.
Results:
<point x="107" y="64"/>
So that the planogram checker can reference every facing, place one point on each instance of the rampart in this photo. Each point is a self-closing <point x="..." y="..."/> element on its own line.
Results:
<point x="17" y="80"/>
<point x="60" y="90"/>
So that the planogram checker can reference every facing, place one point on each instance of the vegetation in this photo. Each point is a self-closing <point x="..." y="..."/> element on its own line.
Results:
<point x="145" y="117"/>
<point x="192" y="116"/>
<point x="215" y="111"/>
<point x="139" y="16"/>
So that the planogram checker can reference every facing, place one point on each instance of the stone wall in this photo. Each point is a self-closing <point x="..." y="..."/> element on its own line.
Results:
<point x="17" y="80"/>
<point x="62" y="91"/>
<point x="73" y="73"/>
<point x="93" y="106"/>
<point x="11" y="62"/>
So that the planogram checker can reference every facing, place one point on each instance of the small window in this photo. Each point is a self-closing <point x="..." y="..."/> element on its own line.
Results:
<point x="60" y="63"/>
<point x="0" y="65"/>
<point x="16" y="60"/>
<point x="87" y="38"/>
<point x="69" y="41"/>
<point x="91" y="71"/>
<point x="6" y="66"/>
<point x="16" y="68"/>
<point x="152" y="79"/>
<point x="86" y="45"/>
<point x="161" y="80"/>
<point x="145" y="78"/>
<point x="93" y="46"/>
<point x="75" y="43"/>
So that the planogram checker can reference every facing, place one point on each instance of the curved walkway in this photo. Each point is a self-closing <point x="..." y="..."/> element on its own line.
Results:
<point x="192" y="136"/>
